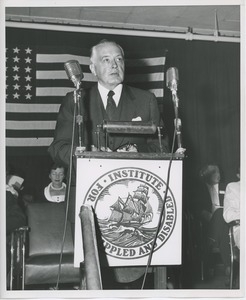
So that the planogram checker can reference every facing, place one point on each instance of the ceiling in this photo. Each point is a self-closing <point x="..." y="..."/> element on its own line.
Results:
<point x="223" y="20"/>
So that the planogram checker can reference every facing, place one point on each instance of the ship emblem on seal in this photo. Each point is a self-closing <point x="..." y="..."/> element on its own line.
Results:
<point x="134" y="211"/>
<point x="128" y="204"/>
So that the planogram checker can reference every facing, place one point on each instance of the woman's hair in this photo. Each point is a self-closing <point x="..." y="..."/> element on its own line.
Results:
<point x="207" y="171"/>
<point x="54" y="166"/>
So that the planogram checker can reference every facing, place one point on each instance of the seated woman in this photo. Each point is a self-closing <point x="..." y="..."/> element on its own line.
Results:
<point x="210" y="205"/>
<point x="232" y="207"/>
<point x="15" y="216"/>
<point x="56" y="190"/>
<point x="212" y="191"/>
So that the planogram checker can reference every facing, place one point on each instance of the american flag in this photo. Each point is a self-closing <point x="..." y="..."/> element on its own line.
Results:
<point x="36" y="83"/>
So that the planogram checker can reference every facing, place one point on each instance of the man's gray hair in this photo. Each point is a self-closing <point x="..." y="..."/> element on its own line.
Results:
<point x="103" y="42"/>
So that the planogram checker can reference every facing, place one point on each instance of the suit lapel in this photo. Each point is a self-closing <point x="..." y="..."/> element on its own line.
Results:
<point x="96" y="114"/>
<point x="126" y="110"/>
<point x="96" y="105"/>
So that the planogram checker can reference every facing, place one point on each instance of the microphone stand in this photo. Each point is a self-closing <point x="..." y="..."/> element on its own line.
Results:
<point x="79" y="117"/>
<point x="177" y="121"/>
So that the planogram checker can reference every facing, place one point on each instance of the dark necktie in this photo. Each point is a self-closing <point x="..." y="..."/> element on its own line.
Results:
<point x="111" y="106"/>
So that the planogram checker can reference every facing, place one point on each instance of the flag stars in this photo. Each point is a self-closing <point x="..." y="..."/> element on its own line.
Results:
<point x="15" y="68"/>
<point x="16" y="96"/>
<point x="28" y="96"/>
<point x="16" y="59"/>
<point x="28" y="69"/>
<point x="16" y="77"/>
<point x="28" y="50"/>
<point x="16" y="86"/>
<point x="28" y="78"/>
<point x="28" y="60"/>
<point x="20" y="70"/>
<point x="16" y="50"/>
<point x="28" y="87"/>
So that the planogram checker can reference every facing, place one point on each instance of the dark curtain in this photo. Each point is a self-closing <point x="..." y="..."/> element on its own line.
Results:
<point x="209" y="106"/>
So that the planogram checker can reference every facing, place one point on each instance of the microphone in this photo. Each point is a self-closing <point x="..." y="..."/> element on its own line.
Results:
<point x="172" y="79"/>
<point x="74" y="72"/>
<point x="134" y="127"/>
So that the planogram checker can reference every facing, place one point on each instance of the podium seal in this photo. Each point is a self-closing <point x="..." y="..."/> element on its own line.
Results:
<point x="128" y="203"/>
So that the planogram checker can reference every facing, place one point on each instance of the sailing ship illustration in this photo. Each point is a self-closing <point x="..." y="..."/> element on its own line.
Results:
<point x="135" y="210"/>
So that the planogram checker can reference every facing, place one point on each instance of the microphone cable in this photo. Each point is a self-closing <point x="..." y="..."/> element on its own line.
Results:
<point x="67" y="198"/>
<point x="161" y="213"/>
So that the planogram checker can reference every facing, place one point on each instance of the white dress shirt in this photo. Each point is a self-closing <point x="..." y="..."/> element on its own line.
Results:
<point x="104" y="94"/>
<point x="232" y="207"/>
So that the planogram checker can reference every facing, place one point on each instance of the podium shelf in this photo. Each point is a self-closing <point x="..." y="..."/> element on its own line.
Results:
<point x="128" y="155"/>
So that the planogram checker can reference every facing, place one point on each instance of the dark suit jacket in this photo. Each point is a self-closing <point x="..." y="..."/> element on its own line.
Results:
<point x="133" y="103"/>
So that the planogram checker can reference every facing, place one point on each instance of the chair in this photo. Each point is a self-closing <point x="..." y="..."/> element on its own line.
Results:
<point x="235" y="253"/>
<point x="214" y="242"/>
<point x="208" y="250"/>
<point x="39" y="249"/>
<point x="17" y="254"/>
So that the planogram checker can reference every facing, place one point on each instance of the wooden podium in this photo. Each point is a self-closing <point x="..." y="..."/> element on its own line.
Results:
<point x="126" y="191"/>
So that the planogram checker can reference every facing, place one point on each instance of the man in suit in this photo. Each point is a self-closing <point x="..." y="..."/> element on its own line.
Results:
<point x="129" y="104"/>
<point x="107" y="64"/>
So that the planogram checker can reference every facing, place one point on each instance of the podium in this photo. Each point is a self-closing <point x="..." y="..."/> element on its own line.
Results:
<point x="126" y="191"/>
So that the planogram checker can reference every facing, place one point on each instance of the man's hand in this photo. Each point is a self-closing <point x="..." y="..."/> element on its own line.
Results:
<point x="180" y="150"/>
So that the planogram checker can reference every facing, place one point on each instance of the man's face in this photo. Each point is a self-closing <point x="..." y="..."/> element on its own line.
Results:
<point x="108" y="65"/>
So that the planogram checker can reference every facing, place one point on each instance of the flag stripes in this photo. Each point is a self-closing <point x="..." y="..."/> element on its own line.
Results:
<point x="31" y="108"/>
<point x="37" y="83"/>
<point x="28" y="142"/>
<point x="28" y="117"/>
<point x="31" y="133"/>
<point x="30" y="125"/>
